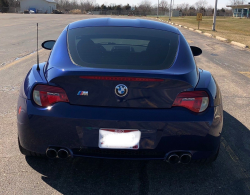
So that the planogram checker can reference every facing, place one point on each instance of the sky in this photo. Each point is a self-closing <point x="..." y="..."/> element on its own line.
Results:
<point x="221" y="3"/>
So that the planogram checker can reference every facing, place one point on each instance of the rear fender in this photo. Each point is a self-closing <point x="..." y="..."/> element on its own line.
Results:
<point x="33" y="78"/>
<point x="208" y="84"/>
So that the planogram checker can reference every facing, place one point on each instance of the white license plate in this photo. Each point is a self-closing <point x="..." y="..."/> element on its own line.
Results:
<point x="119" y="138"/>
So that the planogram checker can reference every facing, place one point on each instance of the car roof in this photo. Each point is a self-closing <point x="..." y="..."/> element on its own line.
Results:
<point x="117" y="22"/>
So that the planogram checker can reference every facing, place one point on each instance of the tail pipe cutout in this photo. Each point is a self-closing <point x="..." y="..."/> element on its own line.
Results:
<point x="62" y="153"/>
<point x="174" y="158"/>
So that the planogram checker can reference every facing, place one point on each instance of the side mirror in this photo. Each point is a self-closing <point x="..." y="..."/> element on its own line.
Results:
<point x="196" y="50"/>
<point x="48" y="44"/>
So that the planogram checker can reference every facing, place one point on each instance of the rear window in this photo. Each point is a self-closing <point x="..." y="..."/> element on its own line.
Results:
<point x="122" y="48"/>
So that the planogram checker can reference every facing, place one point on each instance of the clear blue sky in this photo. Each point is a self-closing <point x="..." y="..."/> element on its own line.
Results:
<point x="221" y="3"/>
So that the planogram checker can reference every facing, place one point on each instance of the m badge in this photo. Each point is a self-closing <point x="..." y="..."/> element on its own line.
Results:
<point x="84" y="93"/>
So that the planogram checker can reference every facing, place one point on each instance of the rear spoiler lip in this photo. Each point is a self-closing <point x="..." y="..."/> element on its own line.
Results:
<point x="189" y="77"/>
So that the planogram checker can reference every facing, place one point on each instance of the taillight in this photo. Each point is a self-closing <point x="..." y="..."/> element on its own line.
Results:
<point x="196" y="101"/>
<point x="20" y="109"/>
<point x="45" y="95"/>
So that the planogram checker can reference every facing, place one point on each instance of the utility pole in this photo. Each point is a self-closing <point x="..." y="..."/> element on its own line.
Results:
<point x="170" y="10"/>
<point x="215" y="12"/>
<point x="158" y="10"/>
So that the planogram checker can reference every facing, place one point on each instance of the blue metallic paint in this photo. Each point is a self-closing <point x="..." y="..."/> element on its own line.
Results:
<point x="61" y="69"/>
<point x="136" y="23"/>
<point x="60" y="60"/>
<point x="163" y="130"/>
<point x="208" y="84"/>
<point x="168" y="129"/>
<point x="33" y="78"/>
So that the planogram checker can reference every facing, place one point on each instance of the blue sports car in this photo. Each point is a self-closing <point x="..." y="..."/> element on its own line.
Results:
<point x="120" y="89"/>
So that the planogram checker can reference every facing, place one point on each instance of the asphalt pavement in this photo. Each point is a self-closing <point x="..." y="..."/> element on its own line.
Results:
<point x="230" y="174"/>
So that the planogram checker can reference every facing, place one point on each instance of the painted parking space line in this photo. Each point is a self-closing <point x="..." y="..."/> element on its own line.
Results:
<point x="20" y="60"/>
<point x="189" y="41"/>
<point x="8" y="25"/>
<point x="241" y="171"/>
<point x="246" y="74"/>
<point x="217" y="61"/>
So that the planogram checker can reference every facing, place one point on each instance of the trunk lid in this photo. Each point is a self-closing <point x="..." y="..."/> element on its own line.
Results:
<point x="147" y="91"/>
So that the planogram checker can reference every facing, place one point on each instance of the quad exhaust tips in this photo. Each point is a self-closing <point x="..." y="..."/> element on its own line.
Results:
<point x="51" y="153"/>
<point x="173" y="159"/>
<point x="61" y="153"/>
<point x="183" y="158"/>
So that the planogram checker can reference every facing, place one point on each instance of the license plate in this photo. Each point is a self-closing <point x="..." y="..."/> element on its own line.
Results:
<point x="119" y="138"/>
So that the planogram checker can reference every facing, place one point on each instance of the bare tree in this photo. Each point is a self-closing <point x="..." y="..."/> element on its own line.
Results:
<point x="4" y="5"/>
<point x="87" y="5"/>
<point x="83" y="5"/>
<point x="184" y="7"/>
<point x="163" y="6"/>
<point x="201" y="4"/>
<point x="192" y="11"/>
<point x="11" y="2"/>
<point x="237" y="2"/>
<point x="145" y="7"/>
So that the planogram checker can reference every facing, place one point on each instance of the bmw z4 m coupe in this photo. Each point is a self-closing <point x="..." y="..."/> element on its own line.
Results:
<point x="120" y="89"/>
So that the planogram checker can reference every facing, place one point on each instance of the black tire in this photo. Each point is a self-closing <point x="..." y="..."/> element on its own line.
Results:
<point x="215" y="156"/>
<point x="208" y="160"/>
<point x="27" y="152"/>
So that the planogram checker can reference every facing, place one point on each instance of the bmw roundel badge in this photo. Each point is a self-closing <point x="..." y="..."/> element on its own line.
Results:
<point x="121" y="90"/>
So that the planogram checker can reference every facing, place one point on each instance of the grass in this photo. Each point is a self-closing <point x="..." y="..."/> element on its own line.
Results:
<point x="75" y="11"/>
<point x="233" y="29"/>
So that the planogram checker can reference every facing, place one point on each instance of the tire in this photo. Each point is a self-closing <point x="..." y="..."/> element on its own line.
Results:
<point x="27" y="152"/>
<point x="215" y="156"/>
<point x="209" y="160"/>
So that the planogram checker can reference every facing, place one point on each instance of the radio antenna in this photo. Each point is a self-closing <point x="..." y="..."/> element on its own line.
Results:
<point x="38" y="68"/>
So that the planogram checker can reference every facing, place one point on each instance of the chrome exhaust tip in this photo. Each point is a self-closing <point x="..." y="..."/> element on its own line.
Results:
<point x="185" y="158"/>
<point x="62" y="153"/>
<point x="51" y="153"/>
<point x="173" y="159"/>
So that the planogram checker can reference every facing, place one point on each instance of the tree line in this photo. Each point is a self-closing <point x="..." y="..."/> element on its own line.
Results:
<point x="6" y="4"/>
<point x="145" y="7"/>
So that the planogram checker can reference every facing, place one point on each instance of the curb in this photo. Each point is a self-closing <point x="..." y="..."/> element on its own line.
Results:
<point x="207" y="34"/>
<point x="239" y="44"/>
<point x="199" y="31"/>
<point x="220" y="38"/>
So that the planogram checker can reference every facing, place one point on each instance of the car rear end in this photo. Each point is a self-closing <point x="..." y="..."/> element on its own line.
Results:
<point x="121" y="92"/>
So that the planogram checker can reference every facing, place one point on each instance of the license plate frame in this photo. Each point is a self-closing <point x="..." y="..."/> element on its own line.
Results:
<point x="119" y="138"/>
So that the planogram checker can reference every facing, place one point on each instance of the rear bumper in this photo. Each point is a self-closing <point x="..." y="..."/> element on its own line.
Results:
<point x="77" y="128"/>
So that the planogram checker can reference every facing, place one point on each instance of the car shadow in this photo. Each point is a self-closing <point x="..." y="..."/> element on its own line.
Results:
<point x="228" y="175"/>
